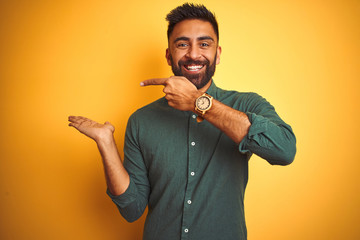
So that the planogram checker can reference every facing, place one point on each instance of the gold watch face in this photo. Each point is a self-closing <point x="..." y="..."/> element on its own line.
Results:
<point x="203" y="103"/>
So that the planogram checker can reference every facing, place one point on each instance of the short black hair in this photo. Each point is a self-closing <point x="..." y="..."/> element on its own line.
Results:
<point x="191" y="11"/>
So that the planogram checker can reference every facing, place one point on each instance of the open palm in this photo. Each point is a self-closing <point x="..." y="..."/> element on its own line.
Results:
<point x="91" y="128"/>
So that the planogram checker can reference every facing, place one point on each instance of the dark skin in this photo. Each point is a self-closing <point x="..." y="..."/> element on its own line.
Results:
<point x="190" y="39"/>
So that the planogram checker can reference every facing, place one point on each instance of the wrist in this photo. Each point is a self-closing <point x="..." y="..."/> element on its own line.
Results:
<point x="105" y="138"/>
<point x="202" y="105"/>
<point x="196" y="95"/>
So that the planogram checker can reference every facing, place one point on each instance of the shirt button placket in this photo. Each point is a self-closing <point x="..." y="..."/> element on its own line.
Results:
<point x="188" y="203"/>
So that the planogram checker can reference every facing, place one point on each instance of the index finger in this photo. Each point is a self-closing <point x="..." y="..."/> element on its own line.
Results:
<point x="154" y="81"/>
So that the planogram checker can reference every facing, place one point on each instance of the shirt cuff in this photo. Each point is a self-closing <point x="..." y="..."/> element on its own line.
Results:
<point x="126" y="198"/>
<point x="259" y="124"/>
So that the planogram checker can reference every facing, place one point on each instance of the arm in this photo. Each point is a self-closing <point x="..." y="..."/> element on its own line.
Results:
<point x="259" y="130"/>
<point x="181" y="94"/>
<point x="130" y="194"/>
<point x="269" y="136"/>
<point x="235" y="124"/>
<point x="117" y="178"/>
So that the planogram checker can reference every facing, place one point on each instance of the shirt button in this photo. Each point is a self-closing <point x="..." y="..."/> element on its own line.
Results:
<point x="189" y="202"/>
<point x="192" y="173"/>
<point x="192" y="143"/>
<point x="186" y="230"/>
<point x="193" y="116"/>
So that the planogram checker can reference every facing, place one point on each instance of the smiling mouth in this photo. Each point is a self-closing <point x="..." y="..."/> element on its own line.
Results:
<point x="193" y="68"/>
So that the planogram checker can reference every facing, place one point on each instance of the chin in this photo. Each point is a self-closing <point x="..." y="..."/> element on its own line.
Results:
<point x="199" y="83"/>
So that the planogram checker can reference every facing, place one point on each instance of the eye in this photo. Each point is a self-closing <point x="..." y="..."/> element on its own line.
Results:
<point x="204" y="44"/>
<point x="182" y="45"/>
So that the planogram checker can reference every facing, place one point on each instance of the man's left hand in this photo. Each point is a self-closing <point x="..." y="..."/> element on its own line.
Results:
<point x="179" y="91"/>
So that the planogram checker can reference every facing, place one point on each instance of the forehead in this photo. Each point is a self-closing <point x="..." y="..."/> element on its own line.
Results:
<point x="192" y="28"/>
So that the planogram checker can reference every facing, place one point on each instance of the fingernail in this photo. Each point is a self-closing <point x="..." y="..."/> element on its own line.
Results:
<point x="142" y="84"/>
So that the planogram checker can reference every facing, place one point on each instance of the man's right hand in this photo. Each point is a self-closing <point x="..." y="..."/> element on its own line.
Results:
<point x="179" y="91"/>
<point x="92" y="129"/>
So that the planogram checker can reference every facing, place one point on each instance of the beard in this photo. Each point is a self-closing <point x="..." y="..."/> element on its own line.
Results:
<point x="200" y="79"/>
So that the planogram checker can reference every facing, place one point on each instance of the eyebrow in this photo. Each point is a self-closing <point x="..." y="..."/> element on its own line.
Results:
<point x="183" y="38"/>
<point x="205" y="38"/>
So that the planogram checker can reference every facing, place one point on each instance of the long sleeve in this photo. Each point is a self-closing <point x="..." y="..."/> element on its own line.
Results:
<point x="134" y="200"/>
<point x="269" y="136"/>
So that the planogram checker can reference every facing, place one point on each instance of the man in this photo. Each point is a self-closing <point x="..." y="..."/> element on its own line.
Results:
<point x="186" y="155"/>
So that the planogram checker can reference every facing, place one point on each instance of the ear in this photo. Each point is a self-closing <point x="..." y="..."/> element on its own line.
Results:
<point x="218" y="55"/>
<point x="167" y="55"/>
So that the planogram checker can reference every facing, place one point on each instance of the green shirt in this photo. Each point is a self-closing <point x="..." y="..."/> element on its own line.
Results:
<point x="191" y="175"/>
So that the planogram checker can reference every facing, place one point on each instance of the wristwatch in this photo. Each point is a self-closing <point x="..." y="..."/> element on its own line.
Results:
<point x="202" y="105"/>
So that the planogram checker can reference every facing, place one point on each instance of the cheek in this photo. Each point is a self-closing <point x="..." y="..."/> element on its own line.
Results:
<point x="178" y="55"/>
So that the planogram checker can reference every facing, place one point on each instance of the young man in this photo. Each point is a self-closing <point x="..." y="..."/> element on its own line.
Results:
<point x="186" y="155"/>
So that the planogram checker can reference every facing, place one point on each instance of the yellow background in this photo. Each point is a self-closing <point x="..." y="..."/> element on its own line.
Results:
<point x="73" y="57"/>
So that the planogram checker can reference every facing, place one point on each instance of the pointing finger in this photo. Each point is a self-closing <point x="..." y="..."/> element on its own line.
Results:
<point x="154" y="81"/>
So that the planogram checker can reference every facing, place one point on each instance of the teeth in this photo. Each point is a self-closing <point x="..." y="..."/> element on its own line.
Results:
<point x="194" y="67"/>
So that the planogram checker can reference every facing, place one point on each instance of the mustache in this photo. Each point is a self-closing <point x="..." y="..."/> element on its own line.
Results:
<point x="193" y="62"/>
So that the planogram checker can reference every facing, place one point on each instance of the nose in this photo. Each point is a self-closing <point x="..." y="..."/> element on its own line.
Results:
<point x="193" y="52"/>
